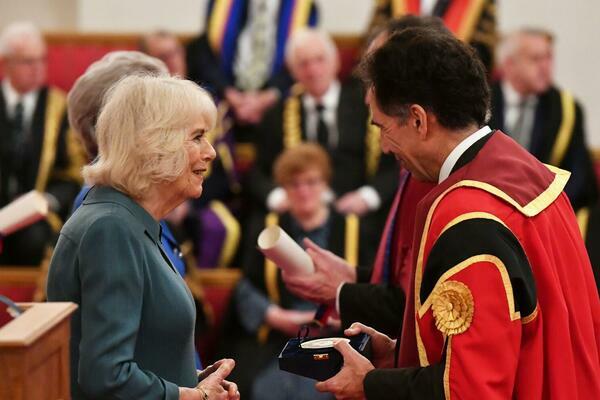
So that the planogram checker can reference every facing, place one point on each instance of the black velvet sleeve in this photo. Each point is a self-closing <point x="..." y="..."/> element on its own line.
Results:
<point x="406" y="383"/>
<point x="378" y="306"/>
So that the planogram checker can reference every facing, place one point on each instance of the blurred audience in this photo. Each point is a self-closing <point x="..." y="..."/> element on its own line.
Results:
<point x="37" y="149"/>
<point x="471" y="21"/>
<point x="165" y="46"/>
<point x="544" y="119"/>
<point x="240" y="57"/>
<point x="265" y="313"/>
<point x="325" y="111"/>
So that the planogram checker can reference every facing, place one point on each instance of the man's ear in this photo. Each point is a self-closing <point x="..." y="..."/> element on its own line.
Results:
<point x="418" y="118"/>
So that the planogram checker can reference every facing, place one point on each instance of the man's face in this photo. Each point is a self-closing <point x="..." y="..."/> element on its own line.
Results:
<point x="314" y="67"/>
<point x="531" y="67"/>
<point x="401" y="140"/>
<point x="25" y="65"/>
<point x="169" y="51"/>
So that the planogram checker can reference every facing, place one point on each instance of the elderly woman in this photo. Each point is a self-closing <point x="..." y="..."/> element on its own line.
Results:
<point x="133" y="334"/>
<point x="84" y="104"/>
<point x="265" y="314"/>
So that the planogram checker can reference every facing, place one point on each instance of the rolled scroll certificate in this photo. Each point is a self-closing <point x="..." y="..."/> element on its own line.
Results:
<point x="280" y="248"/>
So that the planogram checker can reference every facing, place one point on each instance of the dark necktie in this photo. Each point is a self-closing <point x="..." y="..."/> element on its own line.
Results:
<point x="16" y="154"/>
<point x="322" y="131"/>
<point x="17" y="123"/>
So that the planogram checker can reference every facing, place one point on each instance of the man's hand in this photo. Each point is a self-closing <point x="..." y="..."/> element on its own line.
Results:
<point x="382" y="347"/>
<point x="234" y="97"/>
<point x="330" y="272"/>
<point x="348" y="383"/>
<point x="249" y="107"/>
<point x="287" y="321"/>
<point x="352" y="203"/>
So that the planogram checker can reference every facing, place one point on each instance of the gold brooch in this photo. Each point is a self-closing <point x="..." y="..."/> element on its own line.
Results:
<point x="453" y="306"/>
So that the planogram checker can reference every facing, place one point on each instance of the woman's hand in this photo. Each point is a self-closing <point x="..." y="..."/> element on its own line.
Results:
<point x="213" y="385"/>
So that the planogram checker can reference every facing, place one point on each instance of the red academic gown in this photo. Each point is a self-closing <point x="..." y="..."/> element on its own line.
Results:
<point x="503" y="296"/>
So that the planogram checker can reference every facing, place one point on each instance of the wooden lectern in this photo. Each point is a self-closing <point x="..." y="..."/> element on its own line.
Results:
<point x="34" y="353"/>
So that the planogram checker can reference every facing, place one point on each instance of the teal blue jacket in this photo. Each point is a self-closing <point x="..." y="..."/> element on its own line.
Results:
<point x="133" y="334"/>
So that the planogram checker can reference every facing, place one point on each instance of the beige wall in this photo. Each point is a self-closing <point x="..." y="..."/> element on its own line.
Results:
<point x="340" y="16"/>
<point x="573" y="22"/>
<point x="183" y="16"/>
<point x="47" y="14"/>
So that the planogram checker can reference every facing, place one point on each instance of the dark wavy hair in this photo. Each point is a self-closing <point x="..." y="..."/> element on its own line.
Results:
<point x="432" y="68"/>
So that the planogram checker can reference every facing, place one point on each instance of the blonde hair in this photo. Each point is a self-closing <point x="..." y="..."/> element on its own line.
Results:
<point x="85" y="98"/>
<point x="141" y="132"/>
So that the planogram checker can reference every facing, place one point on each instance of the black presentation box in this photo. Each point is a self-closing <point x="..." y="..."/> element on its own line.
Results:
<point x="319" y="364"/>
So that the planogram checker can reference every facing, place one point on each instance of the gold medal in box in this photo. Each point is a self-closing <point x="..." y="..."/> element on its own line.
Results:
<point x="316" y="358"/>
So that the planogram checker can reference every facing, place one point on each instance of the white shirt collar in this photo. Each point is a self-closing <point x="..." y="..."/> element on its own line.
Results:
<point x="458" y="151"/>
<point x="512" y="97"/>
<point x="427" y="7"/>
<point x="12" y="97"/>
<point x="329" y="100"/>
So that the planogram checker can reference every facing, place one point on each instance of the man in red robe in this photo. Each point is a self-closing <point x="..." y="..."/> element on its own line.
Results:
<point x="502" y="301"/>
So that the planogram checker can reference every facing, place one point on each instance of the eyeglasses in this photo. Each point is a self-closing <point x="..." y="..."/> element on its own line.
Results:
<point x="27" y="61"/>
<point x="309" y="182"/>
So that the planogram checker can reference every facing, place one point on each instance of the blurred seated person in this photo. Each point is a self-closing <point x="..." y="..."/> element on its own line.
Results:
<point x="37" y="151"/>
<point x="265" y="313"/>
<point x="165" y="46"/>
<point x="472" y="21"/>
<point x="208" y="222"/>
<point x="133" y="333"/>
<point x="333" y="114"/>
<point x="544" y="119"/>
<point x="240" y="57"/>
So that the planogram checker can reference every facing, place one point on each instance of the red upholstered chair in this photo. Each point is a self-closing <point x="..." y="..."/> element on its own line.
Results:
<point x="217" y="285"/>
<point x="67" y="61"/>
<point x="18" y="284"/>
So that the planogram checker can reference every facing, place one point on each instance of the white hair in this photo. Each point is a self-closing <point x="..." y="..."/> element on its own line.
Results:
<point x="141" y="132"/>
<point x="509" y="43"/>
<point x="85" y="98"/>
<point x="306" y="36"/>
<point x="17" y="32"/>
